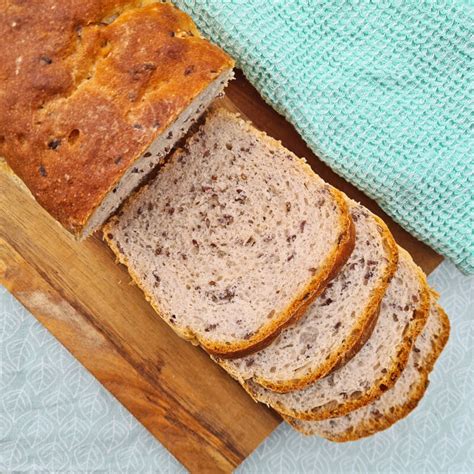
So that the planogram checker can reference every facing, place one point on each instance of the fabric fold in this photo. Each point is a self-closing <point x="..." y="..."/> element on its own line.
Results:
<point x="381" y="92"/>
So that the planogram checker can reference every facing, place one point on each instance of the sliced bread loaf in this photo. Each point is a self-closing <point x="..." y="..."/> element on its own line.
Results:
<point x="234" y="238"/>
<point x="376" y="367"/>
<point x="94" y="93"/>
<point x="336" y="324"/>
<point x="397" y="402"/>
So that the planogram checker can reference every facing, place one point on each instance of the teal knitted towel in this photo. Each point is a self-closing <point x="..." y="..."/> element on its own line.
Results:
<point x="381" y="91"/>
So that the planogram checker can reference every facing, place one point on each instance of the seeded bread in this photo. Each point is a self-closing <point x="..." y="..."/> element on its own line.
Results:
<point x="94" y="94"/>
<point x="397" y="402"/>
<point x="234" y="238"/>
<point x="337" y="324"/>
<point x="376" y="367"/>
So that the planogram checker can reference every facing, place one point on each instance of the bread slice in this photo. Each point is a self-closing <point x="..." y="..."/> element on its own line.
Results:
<point x="94" y="94"/>
<point x="337" y="323"/>
<point x="397" y="402"/>
<point x="376" y="367"/>
<point x="234" y="238"/>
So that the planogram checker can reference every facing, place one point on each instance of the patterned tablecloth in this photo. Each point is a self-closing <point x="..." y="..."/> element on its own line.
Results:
<point x="54" y="416"/>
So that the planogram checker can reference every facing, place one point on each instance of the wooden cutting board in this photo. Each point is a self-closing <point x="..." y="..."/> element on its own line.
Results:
<point x="87" y="302"/>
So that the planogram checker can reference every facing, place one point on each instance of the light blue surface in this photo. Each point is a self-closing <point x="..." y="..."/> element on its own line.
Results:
<point x="381" y="91"/>
<point x="54" y="416"/>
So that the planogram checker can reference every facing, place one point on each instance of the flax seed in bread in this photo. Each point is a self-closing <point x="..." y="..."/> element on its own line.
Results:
<point x="336" y="324"/>
<point x="376" y="367"/>
<point x="397" y="402"/>
<point x="234" y="238"/>
<point x="94" y="94"/>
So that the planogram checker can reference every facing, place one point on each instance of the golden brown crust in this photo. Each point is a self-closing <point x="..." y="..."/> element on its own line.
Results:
<point x="417" y="323"/>
<point x="373" y="307"/>
<point x="385" y="420"/>
<point x="335" y="260"/>
<point x="361" y="332"/>
<point x="87" y="86"/>
<point x="441" y="341"/>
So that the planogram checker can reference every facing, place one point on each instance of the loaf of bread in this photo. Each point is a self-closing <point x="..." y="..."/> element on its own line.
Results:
<point x="234" y="237"/>
<point x="337" y="324"/>
<point x="218" y="242"/>
<point x="94" y="94"/>
<point x="376" y="367"/>
<point x="298" y="292"/>
<point x="397" y="402"/>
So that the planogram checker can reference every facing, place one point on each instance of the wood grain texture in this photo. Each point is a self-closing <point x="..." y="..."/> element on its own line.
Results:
<point x="86" y="301"/>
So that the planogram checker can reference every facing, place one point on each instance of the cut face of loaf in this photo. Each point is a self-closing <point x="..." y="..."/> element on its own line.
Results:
<point x="336" y="324"/>
<point x="397" y="402"/>
<point x="94" y="94"/>
<point x="234" y="237"/>
<point x="155" y="154"/>
<point x="375" y="368"/>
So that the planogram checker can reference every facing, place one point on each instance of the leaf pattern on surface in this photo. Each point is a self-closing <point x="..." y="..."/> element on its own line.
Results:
<point x="54" y="416"/>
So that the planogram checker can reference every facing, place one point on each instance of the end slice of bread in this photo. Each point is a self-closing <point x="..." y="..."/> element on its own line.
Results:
<point x="234" y="238"/>
<point x="376" y="367"/>
<point x="336" y="324"/>
<point x="400" y="400"/>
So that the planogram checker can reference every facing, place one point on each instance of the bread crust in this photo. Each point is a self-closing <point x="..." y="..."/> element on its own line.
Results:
<point x="416" y="325"/>
<point x="361" y="332"/>
<point x="335" y="260"/>
<point x="373" y="425"/>
<point x="88" y="86"/>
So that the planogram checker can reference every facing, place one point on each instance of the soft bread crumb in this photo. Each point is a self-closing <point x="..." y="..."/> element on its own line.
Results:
<point x="233" y="237"/>
<point x="376" y="367"/>
<point x="397" y="402"/>
<point x="333" y="327"/>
